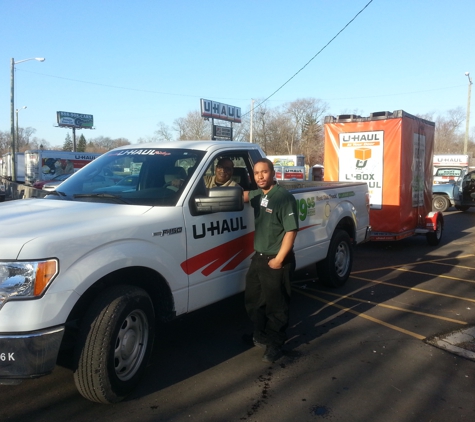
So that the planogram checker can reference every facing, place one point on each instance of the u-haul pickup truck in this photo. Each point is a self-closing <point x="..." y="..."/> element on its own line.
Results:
<point x="98" y="268"/>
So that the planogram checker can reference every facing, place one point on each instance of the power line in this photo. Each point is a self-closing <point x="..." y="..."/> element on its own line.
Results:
<point x="306" y="64"/>
<point x="110" y="86"/>
<point x="195" y="96"/>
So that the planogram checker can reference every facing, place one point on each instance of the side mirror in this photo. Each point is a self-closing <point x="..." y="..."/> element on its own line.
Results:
<point x="222" y="199"/>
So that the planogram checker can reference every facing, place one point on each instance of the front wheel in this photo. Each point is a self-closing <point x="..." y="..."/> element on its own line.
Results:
<point x="440" y="203"/>
<point x="335" y="269"/>
<point x="114" y="344"/>
<point x="433" y="238"/>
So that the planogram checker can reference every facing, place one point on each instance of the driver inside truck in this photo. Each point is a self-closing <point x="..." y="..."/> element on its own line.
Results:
<point x="223" y="173"/>
<point x="222" y="176"/>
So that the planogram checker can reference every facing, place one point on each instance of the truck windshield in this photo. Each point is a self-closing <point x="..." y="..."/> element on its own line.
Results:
<point x="142" y="176"/>
<point x="448" y="172"/>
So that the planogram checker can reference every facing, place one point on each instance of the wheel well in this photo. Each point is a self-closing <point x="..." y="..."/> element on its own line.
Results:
<point x="347" y="225"/>
<point x="152" y="282"/>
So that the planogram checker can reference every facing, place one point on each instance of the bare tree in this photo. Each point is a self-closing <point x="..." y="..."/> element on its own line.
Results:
<point x="5" y="142"/>
<point x="163" y="133"/>
<point x="448" y="138"/>
<point x="104" y="144"/>
<point x="193" y="126"/>
<point x="312" y="142"/>
<point x="41" y="143"/>
<point x="270" y="129"/>
<point x="23" y="141"/>
<point x="295" y="128"/>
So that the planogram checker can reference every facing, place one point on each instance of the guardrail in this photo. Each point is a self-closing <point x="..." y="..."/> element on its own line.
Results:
<point x="20" y="191"/>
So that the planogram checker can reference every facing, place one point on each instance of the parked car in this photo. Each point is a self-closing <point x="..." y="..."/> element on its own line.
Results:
<point x="39" y="184"/>
<point x="126" y="184"/>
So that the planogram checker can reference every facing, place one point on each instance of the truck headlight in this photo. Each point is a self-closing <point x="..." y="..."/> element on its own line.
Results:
<point x="21" y="280"/>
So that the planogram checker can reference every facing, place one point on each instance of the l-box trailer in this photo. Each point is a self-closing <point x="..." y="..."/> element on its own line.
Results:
<point x="46" y="164"/>
<point x="392" y="152"/>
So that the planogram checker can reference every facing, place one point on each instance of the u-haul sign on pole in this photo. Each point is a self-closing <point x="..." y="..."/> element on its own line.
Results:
<point x="215" y="110"/>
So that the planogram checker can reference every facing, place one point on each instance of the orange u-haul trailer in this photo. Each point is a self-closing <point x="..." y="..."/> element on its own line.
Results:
<point x="392" y="152"/>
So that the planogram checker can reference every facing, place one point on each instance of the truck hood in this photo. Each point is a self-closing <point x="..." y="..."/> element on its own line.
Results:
<point x="24" y="221"/>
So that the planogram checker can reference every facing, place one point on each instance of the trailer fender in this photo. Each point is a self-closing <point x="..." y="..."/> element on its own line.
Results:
<point x="432" y="219"/>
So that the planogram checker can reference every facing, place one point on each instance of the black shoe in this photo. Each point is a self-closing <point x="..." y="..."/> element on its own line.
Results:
<point x="272" y="353"/>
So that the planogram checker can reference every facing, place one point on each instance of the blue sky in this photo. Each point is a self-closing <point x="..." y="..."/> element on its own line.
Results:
<point x="132" y="64"/>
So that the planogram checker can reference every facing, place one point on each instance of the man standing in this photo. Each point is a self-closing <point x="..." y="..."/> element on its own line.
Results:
<point x="223" y="174"/>
<point x="267" y="295"/>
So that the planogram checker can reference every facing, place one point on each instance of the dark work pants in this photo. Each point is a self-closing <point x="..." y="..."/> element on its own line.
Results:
<point x="267" y="298"/>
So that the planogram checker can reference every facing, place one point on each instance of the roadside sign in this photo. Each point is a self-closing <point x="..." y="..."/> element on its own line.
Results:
<point x="223" y="132"/>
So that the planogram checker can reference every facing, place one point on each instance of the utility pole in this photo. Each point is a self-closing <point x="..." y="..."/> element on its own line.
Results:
<point x="12" y="109"/>
<point x="252" y="117"/>
<point x="467" y="120"/>
<point x="12" y="117"/>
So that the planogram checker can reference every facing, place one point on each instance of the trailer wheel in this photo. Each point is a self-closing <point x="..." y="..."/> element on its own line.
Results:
<point x="440" y="203"/>
<point x="114" y="344"/>
<point x="433" y="238"/>
<point x="335" y="269"/>
<point x="462" y="207"/>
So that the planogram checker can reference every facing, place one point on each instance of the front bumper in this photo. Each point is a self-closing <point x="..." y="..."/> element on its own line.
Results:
<point x="29" y="355"/>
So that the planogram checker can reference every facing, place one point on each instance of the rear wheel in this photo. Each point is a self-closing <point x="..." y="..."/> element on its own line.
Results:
<point x="440" y="203"/>
<point x="114" y="344"/>
<point x="335" y="269"/>
<point x="433" y="238"/>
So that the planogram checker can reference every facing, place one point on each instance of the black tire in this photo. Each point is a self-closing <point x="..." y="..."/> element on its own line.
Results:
<point x="335" y="269"/>
<point x="440" y="203"/>
<point x="434" y="238"/>
<point x="114" y="344"/>
<point x="462" y="208"/>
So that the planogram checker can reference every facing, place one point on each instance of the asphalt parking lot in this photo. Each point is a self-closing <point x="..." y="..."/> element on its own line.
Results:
<point x="366" y="352"/>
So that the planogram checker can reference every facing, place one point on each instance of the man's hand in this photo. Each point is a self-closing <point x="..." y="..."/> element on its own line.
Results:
<point x="275" y="264"/>
<point x="176" y="183"/>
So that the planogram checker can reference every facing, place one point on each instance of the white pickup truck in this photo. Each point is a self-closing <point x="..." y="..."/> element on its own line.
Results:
<point x="93" y="266"/>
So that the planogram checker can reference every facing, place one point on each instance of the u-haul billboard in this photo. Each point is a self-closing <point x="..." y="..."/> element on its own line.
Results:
<point x="220" y="111"/>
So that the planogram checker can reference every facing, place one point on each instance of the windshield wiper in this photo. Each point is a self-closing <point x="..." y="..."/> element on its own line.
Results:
<point x="57" y="193"/>
<point x="101" y="195"/>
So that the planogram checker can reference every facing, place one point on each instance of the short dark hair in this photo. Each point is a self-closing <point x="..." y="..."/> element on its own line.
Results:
<point x="266" y="161"/>
<point x="220" y="161"/>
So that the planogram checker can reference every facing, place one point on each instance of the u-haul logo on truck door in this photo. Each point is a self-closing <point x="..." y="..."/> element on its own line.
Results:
<point x="218" y="227"/>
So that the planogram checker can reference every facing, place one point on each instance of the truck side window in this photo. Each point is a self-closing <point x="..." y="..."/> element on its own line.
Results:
<point x="242" y="168"/>
<point x="242" y="174"/>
